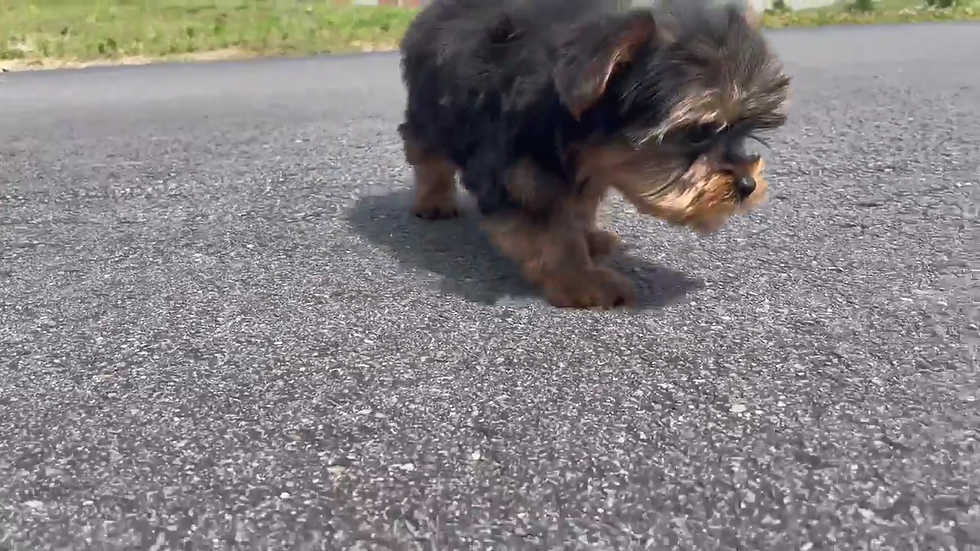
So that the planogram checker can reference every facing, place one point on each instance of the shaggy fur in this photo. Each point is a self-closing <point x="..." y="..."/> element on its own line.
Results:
<point x="543" y="105"/>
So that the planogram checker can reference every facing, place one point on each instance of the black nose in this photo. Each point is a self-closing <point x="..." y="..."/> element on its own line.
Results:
<point x="744" y="186"/>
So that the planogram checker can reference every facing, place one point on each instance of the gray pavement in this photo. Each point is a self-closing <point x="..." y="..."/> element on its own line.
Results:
<point x="220" y="328"/>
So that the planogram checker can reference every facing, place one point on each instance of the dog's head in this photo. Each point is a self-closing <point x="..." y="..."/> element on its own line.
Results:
<point x="665" y="102"/>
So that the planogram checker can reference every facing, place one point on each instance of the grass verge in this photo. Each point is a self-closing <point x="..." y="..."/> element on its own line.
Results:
<point x="883" y="12"/>
<point x="78" y="32"/>
<point x="59" y="33"/>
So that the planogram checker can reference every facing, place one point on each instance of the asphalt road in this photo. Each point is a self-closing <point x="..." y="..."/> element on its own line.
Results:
<point x="221" y="328"/>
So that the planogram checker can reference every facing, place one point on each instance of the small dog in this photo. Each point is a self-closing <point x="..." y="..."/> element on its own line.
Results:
<point x="543" y="106"/>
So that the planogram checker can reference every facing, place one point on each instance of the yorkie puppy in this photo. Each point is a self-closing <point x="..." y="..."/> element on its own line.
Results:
<point x="543" y="106"/>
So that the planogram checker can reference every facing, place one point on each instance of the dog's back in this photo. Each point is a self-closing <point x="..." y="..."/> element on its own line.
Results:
<point x="469" y="63"/>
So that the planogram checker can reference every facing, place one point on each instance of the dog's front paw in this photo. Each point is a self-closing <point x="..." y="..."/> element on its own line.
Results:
<point x="432" y="211"/>
<point x="593" y="288"/>
<point x="601" y="242"/>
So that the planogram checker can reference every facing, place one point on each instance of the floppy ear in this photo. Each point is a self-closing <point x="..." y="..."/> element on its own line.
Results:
<point x="593" y="52"/>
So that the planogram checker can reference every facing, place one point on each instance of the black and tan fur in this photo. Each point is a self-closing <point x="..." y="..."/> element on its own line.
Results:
<point x="544" y="106"/>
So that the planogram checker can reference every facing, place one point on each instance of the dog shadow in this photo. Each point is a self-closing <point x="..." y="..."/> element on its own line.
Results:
<point x="459" y="251"/>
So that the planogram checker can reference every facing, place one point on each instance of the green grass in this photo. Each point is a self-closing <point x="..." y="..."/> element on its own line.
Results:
<point x="50" y="32"/>
<point x="884" y="11"/>
<point x="85" y="30"/>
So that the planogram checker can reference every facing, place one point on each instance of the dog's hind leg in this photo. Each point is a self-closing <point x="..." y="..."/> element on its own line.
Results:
<point x="435" y="179"/>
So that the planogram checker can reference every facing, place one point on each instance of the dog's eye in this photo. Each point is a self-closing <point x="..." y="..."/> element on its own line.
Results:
<point x="702" y="134"/>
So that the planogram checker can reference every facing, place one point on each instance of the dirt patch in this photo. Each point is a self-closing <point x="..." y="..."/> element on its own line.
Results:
<point x="53" y="63"/>
<point x="12" y="65"/>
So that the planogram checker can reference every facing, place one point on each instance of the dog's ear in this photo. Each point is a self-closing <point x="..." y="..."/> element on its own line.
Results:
<point x="593" y="52"/>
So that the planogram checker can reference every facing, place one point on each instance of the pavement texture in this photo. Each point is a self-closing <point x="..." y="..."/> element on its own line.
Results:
<point x="220" y="327"/>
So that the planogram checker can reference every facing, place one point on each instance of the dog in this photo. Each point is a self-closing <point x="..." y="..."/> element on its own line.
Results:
<point x="544" y="106"/>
